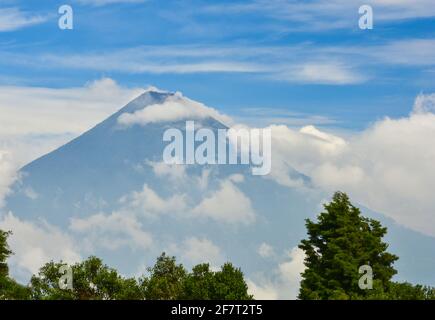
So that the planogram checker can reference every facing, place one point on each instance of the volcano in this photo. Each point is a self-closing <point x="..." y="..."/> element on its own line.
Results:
<point x="110" y="191"/>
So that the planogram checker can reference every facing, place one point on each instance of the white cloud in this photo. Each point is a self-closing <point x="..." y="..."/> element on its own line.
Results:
<point x="8" y="174"/>
<point x="174" y="172"/>
<point x="30" y="193"/>
<point x="22" y="149"/>
<point x="148" y="203"/>
<point x="228" y="204"/>
<point x="321" y="73"/>
<point x="299" y="149"/>
<point x="112" y="231"/>
<point x="302" y="63"/>
<point x="195" y="250"/>
<point x="108" y="2"/>
<point x="265" y="250"/>
<point x="13" y="19"/>
<point x="154" y="60"/>
<point x="35" y="244"/>
<point x="263" y="291"/>
<point x="388" y="167"/>
<point x="320" y="15"/>
<point x="261" y="117"/>
<point x="406" y="52"/>
<point x="424" y="103"/>
<point x="176" y="107"/>
<point x="32" y="110"/>
<point x="178" y="175"/>
<point x="283" y="282"/>
<point x="35" y="121"/>
<point x="203" y="181"/>
<point x="290" y="270"/>
<point x="306" y="63"/>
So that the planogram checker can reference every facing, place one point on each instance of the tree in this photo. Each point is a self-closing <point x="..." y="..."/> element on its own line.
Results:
<point x="9" y="288"/>
<point x="169" y="280"/>
<point x="165" y="281"/>
<point x="337" y="245"/>
<point x="226" y="284"/>
<point x="407" y="291"/>
<point x="92" y="280"/>
<point x="199" y="284"/>
<point x="230" y="284"/>
<point x="5" y="252"/>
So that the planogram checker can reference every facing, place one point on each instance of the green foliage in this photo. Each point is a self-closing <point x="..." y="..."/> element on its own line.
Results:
<point x="230" y="284"/>
<point x="11" y="290"/>
<point x="4" y="253"/>
<point x="199" y="284"/>
<point x="165" y="281"/>
<point x="92" y="280"/>
<point x="169" y="280"/>
<point x="407" y="291"/>
<point x="226" y="284"/>
<point x="337" y="245"/>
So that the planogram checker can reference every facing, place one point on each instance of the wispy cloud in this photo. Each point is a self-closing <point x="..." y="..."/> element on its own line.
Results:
<point x="320" y="73"/>
<point x="302" y="63"/>
<point x="260" y="117"/>
<point x="13" y="19"/>
<point x="321" y="15"/>
<point x="99" y="3"/>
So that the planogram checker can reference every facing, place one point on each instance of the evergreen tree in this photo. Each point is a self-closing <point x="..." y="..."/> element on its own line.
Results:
<point x="5" y="252"/>
<point x="338" y="244"/>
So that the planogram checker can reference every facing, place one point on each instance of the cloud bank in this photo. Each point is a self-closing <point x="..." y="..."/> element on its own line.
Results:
<point x="35" y="244"/>
<point x="388" y="167"/>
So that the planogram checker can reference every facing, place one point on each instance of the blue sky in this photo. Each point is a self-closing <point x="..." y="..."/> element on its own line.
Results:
<point x="246" y="58"/>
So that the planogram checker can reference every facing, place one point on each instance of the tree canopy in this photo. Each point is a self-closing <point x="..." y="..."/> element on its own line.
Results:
<point x="92" y="280"/>
<point x="338" y="244"/>
<point x="169" y="280"/>
<point x="166" y="280"/>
